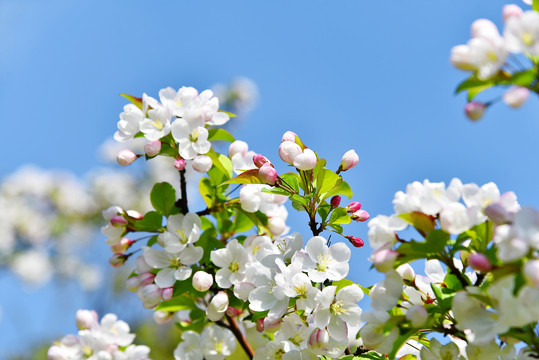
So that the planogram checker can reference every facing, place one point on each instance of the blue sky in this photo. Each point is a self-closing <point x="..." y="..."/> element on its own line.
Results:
<point x="373" y="76"/>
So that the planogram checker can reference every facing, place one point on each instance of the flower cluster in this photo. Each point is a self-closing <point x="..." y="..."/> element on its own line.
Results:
<point x="108" y="339"/>
<point x="488" y="53"/>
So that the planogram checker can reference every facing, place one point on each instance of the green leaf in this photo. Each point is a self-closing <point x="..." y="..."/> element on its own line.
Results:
<point x="323" y="211"/>
<point x="535" y="5"/>
<point x="242" y="222"/>
<point x="134" y="100"/>
<point x="205" y="188"/>
<point x="341" y="189"/>
<point x="399" y="342"/>
<point x="176" y="304"/>
<point x="298" y="206"/>
<point x="167" y="150"/>
<point x="232" y="115"/>
<point x="152" y="241"/>
<point x="259" y="315"/>
<point x="163" y="197"/>
<point x="209" y="243"/>
<point x="219" y="134"/>
<point x="523" y="78"/>
<point x="473" y="82"/>
<point x="338" y="228"/>
<point x="429" y="249"/>
<point x="151" y="222"/>
<point x="276" y="191"/>
<point x="246" y="177"/>
<point x="422" y="222"/>
<point x="221" y="162"/>
<point x="339" y="216"/>
<point x="342" y="283"/>
<point x="326" y="180"/>
<point x="291" y="179"/>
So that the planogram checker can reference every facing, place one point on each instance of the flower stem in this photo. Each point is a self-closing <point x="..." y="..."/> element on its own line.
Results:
<point x="241" y="338"/>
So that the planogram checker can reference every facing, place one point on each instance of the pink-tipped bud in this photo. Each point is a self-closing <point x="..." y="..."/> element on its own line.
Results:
<point x="179" y="164"/>
<point x="112" y="212"/>
<point x="516" y="96"/>
<point x="259" y="160"/>
<point x="355" y="241"/>
<point x="511" y="10"/>
<point x="150" y="295"/>
<point x="353" y="207"/>
<point x="306" y="160"/>
<point x="152" y="148"/>
<point x="118" y="221"/>
<point x="288" y="151"/>
<point x="126" y="157"/>
<point x="133" y="283"/>
<point x="360" y="215"/>
<point x="349" y="160"/>
<point x="233" y="312"/>
<point x="122" y="246"/>
<point x="117" y="259"/>
<point x="289" y="136"/>
<point x="135" y="215"/>
<point x="474" y="110"/>
<point x="484" y="28"/>
<point x="384" y="259"/>
<point x="146" y="278"/>
<point x="162" y="317"/>
<point x="167" y="293"/>
<point x="202" y="163"/>
<point x="531" y="273"/>
<point x="260" y="325"/>
<point x="406" y="272"/>
<point x="237" y="147"/>
<point x="335" y="201"/>
<point x="318" y="339"/>
<point x="86" y="319"/>
<point x="268" y="174"/>
<point x="202" y="281"/>
<point x="271" y="325"/>
<point x="479" y="262"/>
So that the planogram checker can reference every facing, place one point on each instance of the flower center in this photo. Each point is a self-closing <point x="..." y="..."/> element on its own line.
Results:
<point x="218" y="346"/>
<point x="296" y="339"/>
<point x="492" y="56"/>
<point x="336" y="308"/>
<point x="183" y="237"/>
<point x="193" y="137"/>
<point x="279" y="354"/>
<point x="527" y="39"/>
<point x="301" y="290"/>
<point x="158" y="124"/>
<point x="234" y="266"/>
<point x="323" y="263"/>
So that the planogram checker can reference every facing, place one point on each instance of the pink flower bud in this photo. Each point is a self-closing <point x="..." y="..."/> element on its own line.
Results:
<point x="146" y="278"/>
<point x="150" y="295"/>
<point x="233" y="312"/>
<point x="353" y="207"/>
<point x="267" y="174"/>
<point x="349" y="160"/>
<point x="179" y="164"/>
<point x="474" y="110"/>
<point x="259" y="160"/>
<point x="288" y="151"/>
<point x="111" y="212"/>
<point x="126" y="157"/>
<point x="306" y="160"/>
<point x="461" y="58"/>
<point x="162" y="317"/>
<point x="384" y="259"/>
<point x="133" y="283"/>
<point x="152" y="148"/>
<point x="360" y="215"/>
<point x="118" y="221"/>
<point x="117" y="259"/>
<point x="318" y="339"/>
<point x="516" y="96"/>
<point x="479" y="262"/>
<point x="202" y="163"/>
<point x="135" y="215"/>
<point x="289" y="136"/>
<point x="122" y="246"/>
<point x="355" y="241"/>
<point x="511" y="10"/>
<point x="167" y="293"/>
<point x="335" y="201"/>
<point x="86" y="319"/>
<point x="271" y="325"/>
<point x="260" y="325"/>
<point x="531" y="273"/>
<point x="202" y="281"/>
<point x="237" y="147"/>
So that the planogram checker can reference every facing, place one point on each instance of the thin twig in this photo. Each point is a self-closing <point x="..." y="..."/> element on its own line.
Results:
<point x="182" y="202"/>
<point x="241" y="338"/>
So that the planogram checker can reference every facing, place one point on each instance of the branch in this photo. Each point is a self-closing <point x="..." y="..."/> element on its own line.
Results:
<point x="241" y="338"/>
<point x="182" y="202"/>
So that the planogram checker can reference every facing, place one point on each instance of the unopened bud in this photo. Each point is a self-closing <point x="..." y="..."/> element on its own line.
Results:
<point x="360" y="215"/>
<point x="233" y="312"/>
<point x="511" y="10"/>
<point x="146" y="278"/>
<point x="461" y="58"/>
<point x="237" y="147"/>
<point x="355" y="241"/>
<point x="516" y="96"/>
<point x="202" y="281"/>
<point x="202" y="163"/>
<point x="259" y="160"/>
<point x="179" y="164"/>
<point x="260" y="325"/>
<point x="167" y="293"/>
<point x="122" y="246"/>
<point x="531" y="273"/>
<point x="271" y="325"/>
<point x="335" y="201"/>
<point x="349" y="160"/>
<point x="384" y="259"/>
<point x="117" y="259"/>
<point x="133" y="283"/>
<point x="126" y="157"/>
<point x="406" y="272"/>
<point x="112" y="211"/>
<point x="267" y="174"/>
<point x="150" y="295"/>
<point x="217" y="307"/>
<point x="306" y="160"/>
<point x="353" y="207"/>
<point x="162" y="317"/>
<point x="118" y="221"/>
<point x="484" y="28"/>
<point x="417" y="315"/>
<point x="289" y="136"/>
<point x="288" y="151"/>
<point x="474" y="110"/>
<point x="152" y="148"/>
<point x="276" y="225"/>
<point x="479" y="262"/>
<point x="135" y="215"/>
<point x="318" y="339"/>
<point x="86" y="319"/>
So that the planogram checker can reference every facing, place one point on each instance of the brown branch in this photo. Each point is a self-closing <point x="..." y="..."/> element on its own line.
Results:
<point x="241" y="338"/>
<point x="182" y="202"/>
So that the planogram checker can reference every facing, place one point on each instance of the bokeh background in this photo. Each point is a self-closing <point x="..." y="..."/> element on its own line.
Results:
<point x="368" y="75"/>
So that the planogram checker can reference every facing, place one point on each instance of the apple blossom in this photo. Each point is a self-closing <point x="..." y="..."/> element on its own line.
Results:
<point x="349" y="160"/>
<point x="157" y="124"/>
<point x="474" y="110"/>
<point x="522" y="33"/>
<point x="360" y="215"/>
<point x="179" y="164"/>
<point x="289" y="150"/>
<point x="479" y="262"/>
<point x="202" y="163"/>
<point x="152" y="148"/>
<point x="267" y="174"/>
<point x="335" y="201"/>
<point x="531" y="272"/>
<point x="289" y="136"/>
<point x="306" y="160"/>
<point x="259" y="160"/>
<point x="218" y="306"/>
<point x="511" y="10"/>
<point x="202" y="281"/>
<point x="516" y="96"/>
<point x="126" y="157"/>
